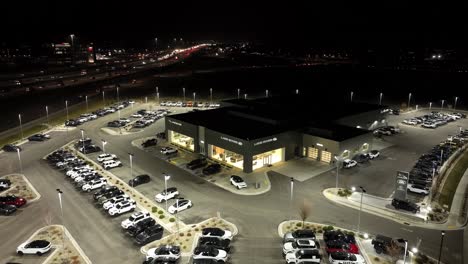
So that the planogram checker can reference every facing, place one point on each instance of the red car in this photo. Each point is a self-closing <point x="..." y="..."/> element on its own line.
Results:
<point x="334" y="236"/>
<point x="12" y="200"/>
<point x="337" y="246"/>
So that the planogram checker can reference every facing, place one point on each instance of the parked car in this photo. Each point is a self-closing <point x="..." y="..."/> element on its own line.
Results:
<point x="106" y="156"/>
<point x="212" y="169"/>
<point x="238" y="182"/>
<point x="89" y="149"/>
<point x="134" y="218"/>
<point x="205" y="252"/>
<point x="105" y="190"/>
<point x="197" y="163"/>
<point x="180" y="205"/>
<point x="4" y="184"/>
<point x="114" y="201"/>
<point x="37" y="247"/>
<point x="138" y="180"/>
<point x="94" y="184"/>
<point x="417" y="188"/>
<point x="109" y="195"/>
<point x="215" y="242"/>
<point x="290" y="247"/>
<point x="149" y="142"/>
<point x="168" y="150"/>
<point x="299" y="234"/>
<point x="111" y="164"/>
<point x="381" y="244"/>
<point x="12" y="200"/>
<point x="349" y="163"/>
<point x="11" y="148"/>
<point x="164" y="251"/>
<point x="150" y="234"/>
<point x="373" y="154"/>
<point x="7" y="209"/>
<point x="361" y="158"/>
<point x="405" y="205"/>
<point x="337" y="246"/>
<point x="216" y="232"/>
<point x="167" y="194"/>
<point x="304" y="256"/>
<point x="380" y="131"/>
<point x="345" y="257"/>
<point x="122" y="207"/>
<point x="139" y="227"/>
<point x="39" y="137"/>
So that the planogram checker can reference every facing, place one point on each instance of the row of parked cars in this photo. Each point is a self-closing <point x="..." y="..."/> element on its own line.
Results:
<point x="360" y="158"/>
<point x="146" y="118"/>
<point x="96" y="114"/>
<point x="190" y="104"/>
<point x="213" y="246"/>
<point x="302" y="246"/>
<point x="9" y="203"/>
<point x="434" y="119"/>
<point x="386" y="131"/>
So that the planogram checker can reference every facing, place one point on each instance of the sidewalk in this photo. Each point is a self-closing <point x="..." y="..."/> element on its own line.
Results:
<point x="456" y="218"/>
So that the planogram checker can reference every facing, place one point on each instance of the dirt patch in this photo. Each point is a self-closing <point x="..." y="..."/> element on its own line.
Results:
<point x="19" y="187"/>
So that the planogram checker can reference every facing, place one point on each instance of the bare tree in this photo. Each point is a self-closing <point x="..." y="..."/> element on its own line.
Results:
<point x="305" y="210"/>
<point x="394" y="251"/>
<point x="48" y="218"/>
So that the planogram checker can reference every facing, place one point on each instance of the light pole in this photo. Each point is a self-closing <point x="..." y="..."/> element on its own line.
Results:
<point x="291" y="197"/>
<point x="442" y="235"/>
<point x="19" y="159"/>
<point x="47" y="114"/>
<point x="104" y="145"/>
<point x="86" y="99"/>
<point x="82" y="139"/>
<point x="380" y="98"/>
<point x="194" y="95"/>
<point x="157" y="96"/>
<point x="118" y="96"/>
<point x="297" y="91"/>
<point x="430" y="106"/>
<point x="455" y="105"/>
<point x="409" y="99"/>
<point x="441" y="156"/>
<point x="183" y="92"/>
<point x="130" y="155"/>
<point x="66" y="108"/>
<point x="103" y="98"/>
<point x="211" y="95"/>
<point x="238" y="93"/>
<point x="245" y="96"/>
<point x="266" y="93"/>
<point x="352" y="93"/>
<point x="59" y="192"/>
<point x="72" y="37"/>
<point x="166" y="178"/>
<point x="360" y="209"/>
<point x="442" y="106"/>
<point x="404" y="253"/>
<point x="337" y="170"/>
<point x="21" y="126"/>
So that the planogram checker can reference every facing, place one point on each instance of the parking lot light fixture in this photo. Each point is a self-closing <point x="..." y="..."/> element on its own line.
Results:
<point x="194" y="96"/>
<point x="245" y="96"/>
<point x="183" y="92"/>
<point x="118" y="96"/>
<point x="166" y="178"/>
<point x="430" y="106"/>
<point x="353" y="189"/>
<point x="238" y="93"/>
<point x="291" y="197"/>
<point x="86" y="99"/>
<point x="338" y="160"/>
<point x="82" y="139"/>
<point x="380" y="98"/>
<point x="266" y="93"/>
<point x="360" y="208"/>
<point x="414" y="250"/>
<point x="455" y="105"/>
<point x="59" y="192"/>
<point x="366" y="236"/>
<point x="66" y="108"/>
<point x="409" y="100"/>
<point x="406" y="249"/>
<point x="442" y="105"/>
<point x="104" y="145"/>
<point x="47" y="114"/>
<point x="103" y="98"/>
<point x="352" y="93"/>
<point x="130" y="155"/>
<point x="442" y="235"/>
<point x="211" y="95"/>
<point x="19" y="159"/>
<point x="21" y="126"/>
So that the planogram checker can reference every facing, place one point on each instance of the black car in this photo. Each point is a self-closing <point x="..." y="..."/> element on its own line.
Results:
<point x="90" y="149"/>
<point x="139" y="124"/>
<point x="149" y="143"/>
<point x="382" y="243"/>
<point x="215" y="242"/>
<point x="361" y="158"/>
<point x="11" y="148"/>
<point x="72" y="123"/>
<point x="197" y="163"/>
<point x="333" y="235"/>
<point x="38" y="137"/>
<point x="150" y="234"/>
<point x="206" y="261"/>
<point x="141" y="226"/>
<point x="405" y="205"/>
<point x="212" y="169"/>
<point x="140" y="179"/>
<point x="103" y="191"/>
<point x="114" y="124"/>
<point x="161" y="261"/>
<point x="7" y="209"/>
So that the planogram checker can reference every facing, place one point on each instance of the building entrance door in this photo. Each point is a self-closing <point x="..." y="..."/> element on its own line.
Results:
<point x="267" y="160"/>
<point x="326" y="156"/>
<point x="313" y="153"/>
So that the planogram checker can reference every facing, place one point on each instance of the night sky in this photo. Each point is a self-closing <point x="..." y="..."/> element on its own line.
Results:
<point x="285" y="23"/>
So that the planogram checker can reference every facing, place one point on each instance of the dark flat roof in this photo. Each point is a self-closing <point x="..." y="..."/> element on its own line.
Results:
<point x="334" y="131"/>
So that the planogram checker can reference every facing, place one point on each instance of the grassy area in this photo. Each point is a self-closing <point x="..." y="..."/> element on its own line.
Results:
<point x="453" y="178"/>
<point x="17" y="137"/>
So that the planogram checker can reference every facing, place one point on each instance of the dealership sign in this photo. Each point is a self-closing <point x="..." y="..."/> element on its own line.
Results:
<point x="265" y="141"/>
<point x="175" y="123"/>
<point x="401" y="185"/>
<point x="232" y="140"/>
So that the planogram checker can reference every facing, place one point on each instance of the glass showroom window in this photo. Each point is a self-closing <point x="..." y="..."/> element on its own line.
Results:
<point x="181" y="140"/>
<point x="267" y="158"/>
<point x="226" y="156"/>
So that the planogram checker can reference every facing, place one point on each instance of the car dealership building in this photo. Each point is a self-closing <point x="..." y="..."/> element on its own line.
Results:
<point x="250" y="134"/>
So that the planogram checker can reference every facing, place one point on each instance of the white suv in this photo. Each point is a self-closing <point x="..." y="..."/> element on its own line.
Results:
<point x="123" y="207"/>
<point x="105" y="157"/>
<point x="168" y="150"/>
<point x="165" y="195"/>
<point x="94" y="184"/>
<point x="135" y="218"/>
<point x="114" y="200"/>
<point x="111" y="164"/>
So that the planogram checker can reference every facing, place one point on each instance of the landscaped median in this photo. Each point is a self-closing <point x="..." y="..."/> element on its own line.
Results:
<point x="64" y="247"/>
<point x="452" y="179"/>
<point x="21" y="187"/>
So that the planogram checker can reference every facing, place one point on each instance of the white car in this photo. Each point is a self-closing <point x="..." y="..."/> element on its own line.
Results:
<point x="106" y="156"/>
<point x="165" y="195"/>
<point x="114" y="201"/>
<point x="72" y="171"/>
<point x="206" y="252"/>
<point x="349" y="163"/>
<point x="110" y="110"/>
<point x="134" y="218"/>
<point x="303" y="256"/>
<point x="94" y="184"/>
<point x="136" y="115"/>
<point x="82" y="176"/>
<point x="180" y="205"/>
<point x="123" y="207"/>
<point x="216" y="232"/>
<point x="76" y="174"/>
<point x="125" y="120"/>
<point x="238" y="182"/>
<point x="82" y="119"/>
<point x="37" y="247"/>
<point x="164" y="252"/>
<point x="168" y="150"/>
<point x="410" y="122"/>
<point x="345" y="257"/>
<point x="420" y="189"/>
<point x="291" y="247"/>
<point x="373" y="154"/>
<point x="429" y="125"/>
<point x="112" y="164"/>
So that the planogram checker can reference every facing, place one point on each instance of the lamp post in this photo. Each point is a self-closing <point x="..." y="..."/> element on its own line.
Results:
<point x="130" y="155"/>
<point x="409" y="99"/>
<point x="157" y="96"/>
<point x="166" y="178"/>
<point x="86" y="99"/>
<point x="72" y="37"/>
<point x="21" y="126"/>
<point x="82" y="139"/>
<point x="442" y="235"/>
<point x="380" y="98"/>
<point x="360" y="209"/>
<point x="238" y="93"/>
<point x="59" y="192"/>
<point x="47" y="114"/>
<point x="245" y="96"/>
<point x="183" y="92"/>
<point x="118" y="96"/>
<point x="455" y="105"/>
<point x="442" y="106"/>
<point x="404" y="253"/>
<point x="103" y="98"/>
<point x="430" y="106"/>
<point x="291" y="197"/>
<point x="352" y="93"/>
<point x="211" y="95"/>
<point x="104" y="145"/>
<point x="297" y="91"/>
<point x="337" y="170"/>
<point x="266" y="93"/>
<point x="19" y="159"/>
<point x="194" y="95"/>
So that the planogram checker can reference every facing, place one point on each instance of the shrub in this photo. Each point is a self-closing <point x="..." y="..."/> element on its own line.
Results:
<point x="154" y="209"/>
<point x="299" y="224"/>
<point x="161" y="216"/>
<point x="181" y="234"/>
<point x="172" y="219"/>
<point x="320" y="231"/>
<point x="328" y="228"/>
<point x="377" y="259"/>
<point x="340" y="193"/>
<point x="160" y="212"/>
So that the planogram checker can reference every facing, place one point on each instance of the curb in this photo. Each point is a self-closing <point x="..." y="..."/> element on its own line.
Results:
<point x="38" y="195"/>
